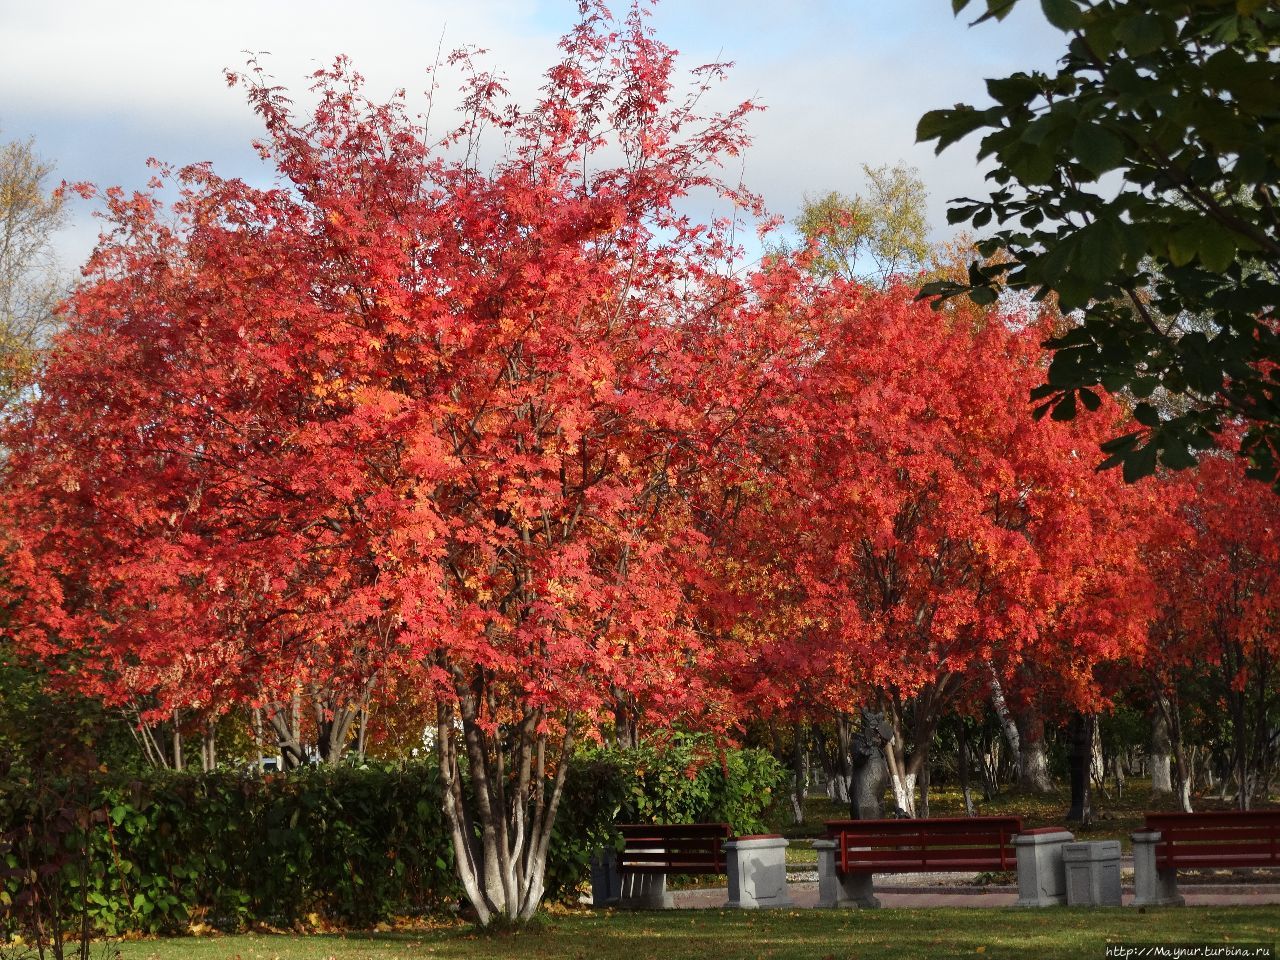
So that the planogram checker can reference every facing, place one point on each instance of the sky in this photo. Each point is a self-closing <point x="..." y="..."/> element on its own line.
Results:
<point x="102" y="85"/>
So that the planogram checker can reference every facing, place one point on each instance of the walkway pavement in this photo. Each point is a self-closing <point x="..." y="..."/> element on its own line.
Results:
<point x="804" y="895"/>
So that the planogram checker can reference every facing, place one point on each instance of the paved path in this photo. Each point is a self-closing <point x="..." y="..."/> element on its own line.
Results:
<point x="805" y="895"/>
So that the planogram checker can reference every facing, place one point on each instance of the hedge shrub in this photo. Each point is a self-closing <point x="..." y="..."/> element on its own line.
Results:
<point x="352" y="846"/>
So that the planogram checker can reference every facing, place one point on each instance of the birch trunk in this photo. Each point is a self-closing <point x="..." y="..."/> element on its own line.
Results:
<point x="500" y="839"/>
<point x="1159" y="760"/>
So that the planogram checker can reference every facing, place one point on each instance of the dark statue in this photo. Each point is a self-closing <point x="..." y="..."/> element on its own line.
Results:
<point x="870" y="771"/>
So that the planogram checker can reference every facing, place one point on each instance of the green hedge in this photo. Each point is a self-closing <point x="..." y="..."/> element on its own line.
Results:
<point x="353" y="846"/>
<point x="350" y="845"/>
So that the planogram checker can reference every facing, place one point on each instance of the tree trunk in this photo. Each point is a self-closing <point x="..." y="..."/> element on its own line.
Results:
<point x="500" y="838"/>
<point x="1001" y="708"/>
<point x="964" y="770"/>
<point x="334" y="717"/>
<point x="1181" y="768"/>
<point x="177" y="744"/>
<point x="1082" y="726"/>
<point x="286" y="724"/>
<point x="1159" y="757"/>
<point x="799" y="772"/>
<point x="840" y="786"/>
<point x="1033" y="762"/>
<point x="1097" y="760"/>
<point x="625" y="732"/>
<point x="208" y="749"/>
<point x="924" y="787"/>
<point x="259" y="739"/>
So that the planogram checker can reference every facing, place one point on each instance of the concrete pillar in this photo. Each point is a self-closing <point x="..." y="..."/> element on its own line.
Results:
<point x="757" y="869"/>
<point x="1152" y="887"/>
<point x="834" y="890"/>
<point x="606" y="884"/>
<point x="1093" y="873"/>
<point x="1042" y="881"/>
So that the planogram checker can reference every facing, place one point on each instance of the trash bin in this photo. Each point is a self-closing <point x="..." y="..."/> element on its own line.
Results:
<point x="1093" y="873"/>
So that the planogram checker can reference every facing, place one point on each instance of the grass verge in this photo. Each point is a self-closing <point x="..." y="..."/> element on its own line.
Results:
<point x="778" y="935"/>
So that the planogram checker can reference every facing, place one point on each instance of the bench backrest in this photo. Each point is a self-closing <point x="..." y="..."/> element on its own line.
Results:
<point x="673" y="848"/>
<point x="1243" y="839"/>
<point x="932" y="844"/>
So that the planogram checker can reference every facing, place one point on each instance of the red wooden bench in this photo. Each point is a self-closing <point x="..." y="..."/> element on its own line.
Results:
<point x="1189" y="841"/>
<point x="925" y="846"/>
<point x="673" y="848"/>
<point x="636" y="875"/>
<point x="1170" y="842"/>
<point x="859" y="848"/>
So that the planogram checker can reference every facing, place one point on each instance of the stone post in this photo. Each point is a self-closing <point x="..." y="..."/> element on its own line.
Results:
<point x="1042" y="879"/>
<point x="1093" y="873"/>
<point x="834" y="890"/>
<point x="757" y="869"/>
<point x="1152" y="887"/>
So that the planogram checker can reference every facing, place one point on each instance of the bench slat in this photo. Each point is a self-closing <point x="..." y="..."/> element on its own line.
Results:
<point x="1183" y="861"/>
<point x="924" y="838"/>
<point x="666" y="831"/>
<point x="926" y="866"/>
<point x="938" y="825"/>
<point x="928" y="853"/>
<point x="1189" y="834"/>
<point x="1161" y="821"/>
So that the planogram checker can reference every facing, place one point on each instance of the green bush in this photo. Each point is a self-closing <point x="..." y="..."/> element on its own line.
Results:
<point x="678" y="778"/>
<point x="353" y="846"/>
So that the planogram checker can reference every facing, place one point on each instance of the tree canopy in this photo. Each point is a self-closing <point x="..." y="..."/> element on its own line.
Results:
<point x="1138" y="184"/>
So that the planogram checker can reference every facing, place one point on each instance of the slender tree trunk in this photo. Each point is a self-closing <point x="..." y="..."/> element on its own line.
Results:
<point x="1007" y="724"/>
<point x="1081" y="765"/>
<point x="258" y="738"/>
<point x="925" y="770"/>
<point x="363" y="732"/>
<point x="964" y="769"/>
<point x="208" y="749"/>
<point x="799" y="772"/>
<point x="1159" y="758"/>
<point x="1097" y="759"/>
<point x="840" y="786"/>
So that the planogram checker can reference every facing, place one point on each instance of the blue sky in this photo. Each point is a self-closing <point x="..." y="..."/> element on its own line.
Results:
<point x="104" y="84"/>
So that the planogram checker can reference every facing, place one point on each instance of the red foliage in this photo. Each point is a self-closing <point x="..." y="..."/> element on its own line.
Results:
<point x="922" y="530"/>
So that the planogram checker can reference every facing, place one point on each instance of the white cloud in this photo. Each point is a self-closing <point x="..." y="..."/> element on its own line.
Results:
<point x="102" y="84"/>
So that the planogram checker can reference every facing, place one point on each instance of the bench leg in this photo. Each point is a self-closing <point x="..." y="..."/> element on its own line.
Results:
<point x="1152" y="887"/>
<point x="645" y="891"/>
<point x="606" y="885"/>
<point x="841" y="890"/>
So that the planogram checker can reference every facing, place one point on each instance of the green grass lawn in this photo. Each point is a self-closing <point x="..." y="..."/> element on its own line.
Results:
<point x="810" y="934"/>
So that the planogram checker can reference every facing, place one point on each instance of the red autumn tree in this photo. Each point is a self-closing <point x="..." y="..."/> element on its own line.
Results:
<point x="1218" y="571"/>
<point x="923" y="532"/>
<point x="409" y="410"/>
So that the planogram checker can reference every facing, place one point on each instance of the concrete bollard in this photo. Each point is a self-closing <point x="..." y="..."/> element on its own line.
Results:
<point x="1042" y="880"/>
<point x="757" y="869"/>
<point x="1152" y="887"/>
<point x="834" y="890"/>
<point x="1093" y="873"/>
